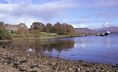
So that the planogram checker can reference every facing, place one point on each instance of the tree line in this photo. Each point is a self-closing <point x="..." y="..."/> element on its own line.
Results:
<point x="59" y="28"/>
<point x="36" y="28"/>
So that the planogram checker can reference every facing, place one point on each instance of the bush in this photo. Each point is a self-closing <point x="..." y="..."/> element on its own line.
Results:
<point x="4" y="34"/>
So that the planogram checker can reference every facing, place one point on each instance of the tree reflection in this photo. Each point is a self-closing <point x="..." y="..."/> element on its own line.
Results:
<point x="41" y="45"/>
<point x="60" y="45"/>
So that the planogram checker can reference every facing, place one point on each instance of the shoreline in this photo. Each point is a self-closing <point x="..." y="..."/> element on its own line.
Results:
<point x="13" y="60"/>
<point x="74" y="60"/>
<point x="31" y="38"/>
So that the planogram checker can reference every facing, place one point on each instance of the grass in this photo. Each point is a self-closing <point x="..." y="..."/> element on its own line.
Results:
<point x="40" y="35"/>
<point x="37" y="35"/>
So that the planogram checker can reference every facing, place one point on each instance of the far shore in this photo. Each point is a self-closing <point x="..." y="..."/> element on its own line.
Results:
<point x="30" y="38"/>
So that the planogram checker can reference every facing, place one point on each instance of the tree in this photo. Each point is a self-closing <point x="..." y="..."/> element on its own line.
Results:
<point x="57" y="28"/>
<point x="22" y="29"/>
<point x="68" y="29"/>
<point x="38" y="26"/>
<point x="49" y="27"/>
<point x="63" y="29"/>
<point x="4" y="34"/>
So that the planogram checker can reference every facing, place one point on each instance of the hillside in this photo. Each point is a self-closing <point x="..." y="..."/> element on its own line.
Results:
<point x="112" y="29"/>
<point x="85" y="31"/>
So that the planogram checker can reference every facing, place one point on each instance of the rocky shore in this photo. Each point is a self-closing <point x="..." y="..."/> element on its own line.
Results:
<point x="13" y="60"/>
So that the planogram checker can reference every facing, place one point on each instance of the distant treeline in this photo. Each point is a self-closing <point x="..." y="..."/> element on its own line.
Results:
<point x="8" y="31"/>
<point x="61" y="29"/>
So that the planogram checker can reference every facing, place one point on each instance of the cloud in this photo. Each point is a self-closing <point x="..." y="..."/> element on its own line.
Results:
<point x="107" y="15"/>
<point x="88" y="20"/>
<point x="98" y="3"/>
<point x="46" y="10"/>
<point x="14" y="11"/>
<point x="21" y="9"/>
<point x="17" y="1"/>
<point x="83" y="26"/>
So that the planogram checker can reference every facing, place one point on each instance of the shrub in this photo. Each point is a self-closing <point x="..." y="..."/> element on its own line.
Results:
<point x="4" y="34"/>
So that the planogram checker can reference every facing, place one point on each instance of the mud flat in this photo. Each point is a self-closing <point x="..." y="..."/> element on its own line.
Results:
<point x="13" y="60"/>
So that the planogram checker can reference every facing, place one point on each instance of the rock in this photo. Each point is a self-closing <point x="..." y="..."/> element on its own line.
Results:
<point x="77" y="70"/>
<point x="70" y="69"/>
<point x="8" y="62"/>
<point x="22" y="69"/>
<point x="86" y="65"/>
<point x="22" y="61"/>
<point x="33" y="71"/>
<point x="7" y="68"/>
<point x="53" y="68"/>
<point x="114" y="66"/>
<point x="17" y="60"/>
<point x="54" y="63"/>
<point x="34" y="66"/>
<point x="15" y="65"/>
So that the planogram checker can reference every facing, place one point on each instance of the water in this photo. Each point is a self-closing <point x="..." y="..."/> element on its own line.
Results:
<point x="90" y="48"/>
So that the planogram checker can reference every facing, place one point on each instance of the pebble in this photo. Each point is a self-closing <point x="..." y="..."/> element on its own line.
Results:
<point x="21" y="61"/>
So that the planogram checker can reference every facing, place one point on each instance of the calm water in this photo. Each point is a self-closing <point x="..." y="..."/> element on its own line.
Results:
<point x="91" y="48"/>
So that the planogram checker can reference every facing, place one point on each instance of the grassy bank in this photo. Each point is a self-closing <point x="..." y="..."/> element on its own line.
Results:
<point x="38" y="35"/>
<point x="5" y="35"/>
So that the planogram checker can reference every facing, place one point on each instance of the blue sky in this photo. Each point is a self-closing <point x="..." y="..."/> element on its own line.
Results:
<point x="80" y="13"/>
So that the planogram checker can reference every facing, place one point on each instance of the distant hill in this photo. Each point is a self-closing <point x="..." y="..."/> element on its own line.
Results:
<point x="112" y="29"/>
<point x="85" y="31"/>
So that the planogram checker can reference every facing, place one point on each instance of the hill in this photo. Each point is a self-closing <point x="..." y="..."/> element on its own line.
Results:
<point x="85" y="31"/>
<point x="112" y="29"/>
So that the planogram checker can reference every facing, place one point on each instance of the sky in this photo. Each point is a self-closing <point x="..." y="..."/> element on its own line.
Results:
<point x="79" y="13"/>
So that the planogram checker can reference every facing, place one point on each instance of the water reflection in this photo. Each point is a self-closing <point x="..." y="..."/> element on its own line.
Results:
<point x="108" y="42"/>
<point x="90" y="48"/>
<point x="60" y="45"/>
<point x="40" y="45"/>
<point x="83" y="43"/>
